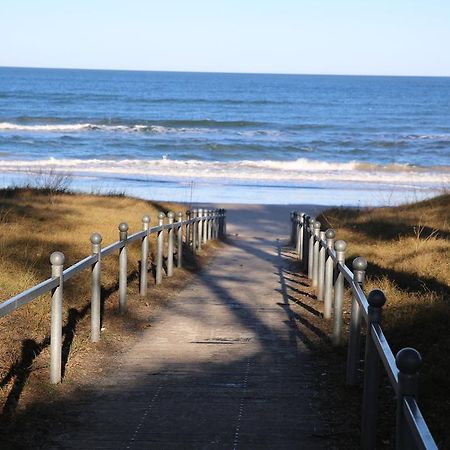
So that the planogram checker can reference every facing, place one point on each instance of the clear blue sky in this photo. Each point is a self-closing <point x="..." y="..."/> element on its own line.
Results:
<point x="398" y="37"/>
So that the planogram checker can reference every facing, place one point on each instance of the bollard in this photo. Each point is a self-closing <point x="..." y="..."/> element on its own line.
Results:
<point x="188" y="230"/>
<point x="180" y="240"/>
<point x="292" y="218"/>
<point x="160" y="248"/>
<point x="340" y="247"/>
<point x="194" y="231"/>
<point x="57" y="261"/>
<point x="123" y="261"/>
<point x="330" y="234"/>
<point x="299" y="239"/>
<point x="205" y="225"/>
<point x="143" y="283"/>
<point x="408" y="361"/>
<point x="200" y="228"/>
<point x="376" y="301"/>
<point x="310" y="247"/>
<point x="170" y="232"/>
<point x="321" y="274"/>
<point x="315" y="272"/>
<point x="305" y="243"/>
<point x="354" y="340"/>
<point x="96" y="240"/>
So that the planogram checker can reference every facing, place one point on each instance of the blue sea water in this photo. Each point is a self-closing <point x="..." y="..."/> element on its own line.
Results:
<point x="228" y="137"/>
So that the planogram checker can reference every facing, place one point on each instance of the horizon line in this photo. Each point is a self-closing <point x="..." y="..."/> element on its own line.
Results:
<point x="225" y="72"/>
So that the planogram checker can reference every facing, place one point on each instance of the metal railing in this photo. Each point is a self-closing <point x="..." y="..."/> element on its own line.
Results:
<point x="201" y="225"/>
<point x="323" y="260"/>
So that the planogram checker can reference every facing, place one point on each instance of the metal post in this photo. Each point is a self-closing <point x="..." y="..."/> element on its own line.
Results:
<point x="292" y="217"/>
<point x="57" y="262"/>
<point x="221" y="230"/>
<point x="160" y="248"/>
<point x="354" y="340"/>
<point x="200" y="228"/>
<point x="305" y="243"/>
<point x="216" y="224"/>
<point x="330" y="234"/>
<point x="96" y="241"/>
<point x="315" y="273"/>
<point x="194" y="232"/>
<point x="180" y="240"/>
<point x="123" y="262"/>
<point x="321" y="263"/>
<point x="299" y="238"/>
<point x="205" y="226"/>
<point x="376" y="300"/>
<point x="311" y="247"/>
<point x="143" y="285"/>
<point x="170" y="233"/>
<point x="188" y="230"/>
<point x="224" y="219"/>
<point x="211" y="222"/>
<point x="408" y="361"/>
<point x="340" y="247"/>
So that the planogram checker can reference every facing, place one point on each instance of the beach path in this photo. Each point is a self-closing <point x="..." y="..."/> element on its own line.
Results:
<point x="224" y="365"/>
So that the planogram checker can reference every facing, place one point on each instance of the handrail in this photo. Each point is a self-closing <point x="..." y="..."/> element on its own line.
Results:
<point x="305" y="235"/>
<point x="203" y="226"/>
<point x="27" y="296"/>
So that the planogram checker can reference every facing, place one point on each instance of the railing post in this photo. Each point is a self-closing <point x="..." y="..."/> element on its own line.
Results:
<point x="123" y="262"/>
<point x="188" y="230"/>
<point x="310" y="247"/>
<point x="170" y="233"/>
<point x="96" y="241"/>
<point x="224" y="219"/>
<point x="340" y="247"/>
<point x="194" y="232"/>
<point x="354" y="340"/>
<point x="57" y="261"/>
<point x="292" y="219"/>
<point x="305" y="256"/>
<point x="160" y="248"/>
<point x="205" y="226"/>
<point x="299" y="237"/>
<point x="221" y="224"/>
<point x="200" y="228"/>
<point x="408" y="362"/>
<point x="315" y="274"/>
<point x="376" y="300"/>
<point x="330" y="234"/>
<point x="180" y="240"/>
<point x="321" y="274"/>
<point x="143" y="285"/>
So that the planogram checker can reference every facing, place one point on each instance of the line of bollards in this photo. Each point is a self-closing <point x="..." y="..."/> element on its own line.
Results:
<point x="322" y="259"/>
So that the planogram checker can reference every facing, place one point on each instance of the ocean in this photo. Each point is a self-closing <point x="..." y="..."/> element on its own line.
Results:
<point x="228" y="138"/>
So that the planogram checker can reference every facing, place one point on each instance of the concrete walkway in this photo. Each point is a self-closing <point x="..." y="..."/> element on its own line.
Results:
<point x="222" y="367"/>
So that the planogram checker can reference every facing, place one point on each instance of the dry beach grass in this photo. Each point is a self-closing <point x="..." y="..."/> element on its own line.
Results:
<point x="33" y="224"/>
<point x="408" y="253"/>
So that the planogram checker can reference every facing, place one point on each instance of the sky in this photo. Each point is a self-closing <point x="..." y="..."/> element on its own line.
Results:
<point x="366" y="37"/>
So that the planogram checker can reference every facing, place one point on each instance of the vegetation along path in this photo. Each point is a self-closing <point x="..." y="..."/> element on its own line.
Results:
<point x="223" y="366"/>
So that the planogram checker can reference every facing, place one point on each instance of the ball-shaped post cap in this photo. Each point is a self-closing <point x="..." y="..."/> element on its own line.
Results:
<point x="359" y="263"/>
<point x="340" y="246"/>
<point x="57" y="259"/>
<point x="311" y="221"/>
<point x="146" y="219"/>
<point x="330" y="233"/>
<point x="96" y="238"/>
<point x="180" y="214"/>
<point x="317" y="225"/>
<point x="123" y="227"/>
<point x="170" y="214"/>
<point x="161" y="215"/>
<point x="376" y="298"/>
<point x="408" y="360"/>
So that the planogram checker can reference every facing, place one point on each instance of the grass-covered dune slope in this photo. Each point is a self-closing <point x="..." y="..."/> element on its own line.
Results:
<point x="408" y="253"/>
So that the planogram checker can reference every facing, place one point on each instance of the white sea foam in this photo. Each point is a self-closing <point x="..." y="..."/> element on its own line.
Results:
<point x="300" y="170"/>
